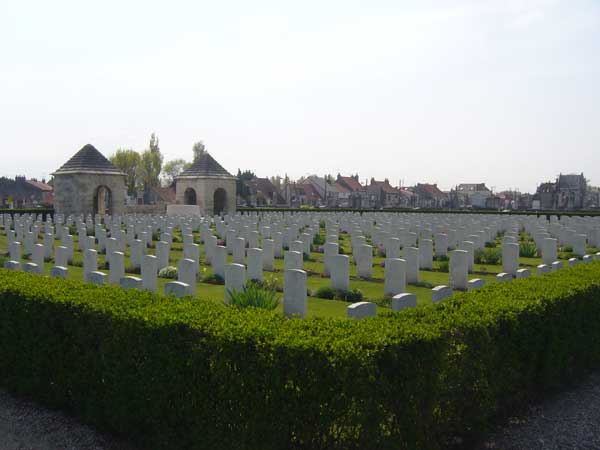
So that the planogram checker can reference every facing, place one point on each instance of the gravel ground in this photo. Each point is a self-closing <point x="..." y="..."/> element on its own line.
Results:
<point x="25" y="425"/>
<point x="567" y="421"/>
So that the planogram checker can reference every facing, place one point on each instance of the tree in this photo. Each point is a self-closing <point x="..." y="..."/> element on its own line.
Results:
<point x="241" y="188"/>
<point x="171" y="169"/>
<point x="151" y="164"/>
<point x="128" y="162"/>
<point x="199" y="149"/>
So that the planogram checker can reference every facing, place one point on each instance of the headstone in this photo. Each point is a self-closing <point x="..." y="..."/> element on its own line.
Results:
<point x="294" y="293"/>
<point x="32" y="268"/>
<point x="340" y="272"/>
<point x="162" y="254"/>
<point x="116" y="268"/>
<point x="178" y="289"/>
<point x="364" y="261"/>
<point x="58" y="272"/>
<point x="186" y="273"/>
<point x="12" y="265"/>
<point x="411" y="256"/>
<point x="239" y="250"/>
<point x="329" y="249"/>
<point x="255" y="264"/>
<point x="502" y="277"/>
<point x="557" y="265"/>
<point x="475" y="283"/>
<point x="573" y="262"/>
<point x="426" y="254"/>
<point x="219" y="261"/>
<point x="542" y="269"/>
<point x="361" y="310"/>
<point x="96" y="277"/>
<point x="90" y="264"/>
<point x="440" y="293"/>
<point x="549" y="250"/>
<point x="395" y="276"/>
<point x="292" y="260"/>
<point x="268" y="257"/>
<point x="523" y="273"/>
<point x="459" y="268"/>
<point x="130" y="282"/>
<point x="510" y="258"/>
<point x="404" y="301"/>
<point x="235" y="279"/>
<point x="149" y="273"/>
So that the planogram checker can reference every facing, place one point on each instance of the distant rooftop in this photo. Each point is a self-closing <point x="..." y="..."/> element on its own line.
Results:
<point x="205" y="166"/>
<point x="88" y="159"/>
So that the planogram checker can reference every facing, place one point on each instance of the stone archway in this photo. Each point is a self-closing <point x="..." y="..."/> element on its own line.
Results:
<point x="219" y="201"/>
<point x="189" y="197"/>
<point x="102" y="200"/>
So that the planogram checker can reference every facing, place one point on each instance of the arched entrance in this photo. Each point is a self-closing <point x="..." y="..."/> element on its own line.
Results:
<point x="219" y="201"/>
<point x="189" y="197"/>
<point x="102" y="201"/>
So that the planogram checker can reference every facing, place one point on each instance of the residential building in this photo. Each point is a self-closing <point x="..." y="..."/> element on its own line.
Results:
<point x="23" y="193"/>
<point x="358" y="197"/>
<point x="430" y="196"/>
<point x="474" y="195"/>
<point x="382" y="194"/>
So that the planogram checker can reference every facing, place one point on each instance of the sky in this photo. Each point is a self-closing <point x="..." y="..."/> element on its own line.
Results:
<point x="447" y="92"/>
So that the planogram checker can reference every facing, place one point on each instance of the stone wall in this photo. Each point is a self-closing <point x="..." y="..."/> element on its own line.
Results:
<point x="74" y="192"/>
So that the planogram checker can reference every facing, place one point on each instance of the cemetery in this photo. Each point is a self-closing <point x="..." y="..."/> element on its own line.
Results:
<point x="296" y="329"/>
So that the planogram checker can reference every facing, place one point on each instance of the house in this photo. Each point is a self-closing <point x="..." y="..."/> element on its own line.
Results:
<point x="566" y="193"/>
<point x="328" y="192"/>
<point x="358" y="197"/>
<point x="382" y="194"/>
<point x="475" y="195"/>
<point x="303" y="194"/>
<point x="23" y="193"/>
<point x="262" y="192"/>
<point x="344" y="195"/>
<point x="430" y="196"/>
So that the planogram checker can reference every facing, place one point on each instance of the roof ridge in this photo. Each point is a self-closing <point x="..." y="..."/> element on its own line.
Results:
<point x="88" y="159"/>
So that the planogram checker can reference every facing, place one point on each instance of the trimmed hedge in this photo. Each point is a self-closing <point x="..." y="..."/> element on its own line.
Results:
<point x="43" y="211"/>
<point x="191" y="374"/>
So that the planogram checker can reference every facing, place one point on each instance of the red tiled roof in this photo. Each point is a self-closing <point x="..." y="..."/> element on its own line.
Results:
<point x="430" y="189"/>
<point x="352" y="184"/>
<point x="385" y="186"/>
<point x="341" y="188"/>
<point x="310" y="191"/>
<point x="38" y="184"/>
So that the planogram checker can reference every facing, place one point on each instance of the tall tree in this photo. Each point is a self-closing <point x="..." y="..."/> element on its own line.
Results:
<point x="171" y="169"/>
<point x="128" y="162"/>
<point x="199" y="149"/>
<point x="151" y="164"/>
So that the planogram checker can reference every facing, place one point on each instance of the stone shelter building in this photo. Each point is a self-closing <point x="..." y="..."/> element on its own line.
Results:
<point x="88" y="183"/>
<point x="207" y="184"/>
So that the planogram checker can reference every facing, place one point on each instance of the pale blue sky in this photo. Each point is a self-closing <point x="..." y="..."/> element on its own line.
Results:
<point x="506" y="92"/>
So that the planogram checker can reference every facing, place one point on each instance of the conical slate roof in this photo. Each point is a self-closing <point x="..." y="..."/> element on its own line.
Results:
<point x="205" y="166"/>
<point x="88" y="159"/>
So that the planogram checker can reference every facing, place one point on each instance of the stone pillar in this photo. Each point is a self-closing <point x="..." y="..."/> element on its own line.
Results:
<point x="395" y="276"/>
<point x="294" y="293"/>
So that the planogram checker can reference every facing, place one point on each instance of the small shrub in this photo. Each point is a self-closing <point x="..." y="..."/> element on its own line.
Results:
<point x="488" y="256"/>
<point x="318" y="240"/>
<point x="270" y="283"/>
<point x="441" y="258"/>
<point x="567" y="249"/>
<point x="444" y="266"/>
<point x="490" y="244"/>
<point x="353" y="295"/>
<point x="169" y="272"/>
<point x="527" y="250"/>
<point x="325" y="292"/>
<point x="381" y="251"/>
<point x="254" y="296"/>
<point x="425" y="284"/>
